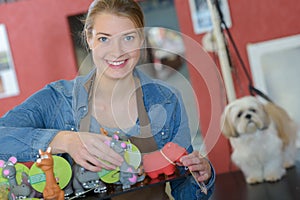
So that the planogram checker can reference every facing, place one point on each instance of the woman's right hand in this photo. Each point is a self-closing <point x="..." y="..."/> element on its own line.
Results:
<point x="90" y="150"/>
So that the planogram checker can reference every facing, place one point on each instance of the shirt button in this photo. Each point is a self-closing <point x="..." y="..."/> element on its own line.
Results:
<point x="72" y="129"/>
<point x="162" y="133"/>
<point x="84" y="108"/>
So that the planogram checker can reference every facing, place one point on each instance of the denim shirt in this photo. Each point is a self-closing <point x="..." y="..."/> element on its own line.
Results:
<point x="61" y="105"/>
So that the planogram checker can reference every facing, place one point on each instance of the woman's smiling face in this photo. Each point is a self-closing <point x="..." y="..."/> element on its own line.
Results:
<point x="115" y="45"/>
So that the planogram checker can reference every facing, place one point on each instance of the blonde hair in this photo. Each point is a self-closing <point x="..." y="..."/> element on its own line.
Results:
<point x="124" y="8"/>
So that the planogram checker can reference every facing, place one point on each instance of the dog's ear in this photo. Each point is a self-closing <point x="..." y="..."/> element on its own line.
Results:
<point x="266" y="115"/>
<point x="227" y="127"/>
<point x="284" y="124"/>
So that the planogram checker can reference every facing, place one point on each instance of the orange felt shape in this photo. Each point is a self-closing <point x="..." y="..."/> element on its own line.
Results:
<point x="163" y="161"/>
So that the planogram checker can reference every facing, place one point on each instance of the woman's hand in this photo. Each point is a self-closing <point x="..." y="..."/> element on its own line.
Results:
<point x="89" y="150"/>
<point x="198" y="165"/>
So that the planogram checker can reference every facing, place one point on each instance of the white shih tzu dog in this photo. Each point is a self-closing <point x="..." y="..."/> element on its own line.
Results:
<point x="262" y="137"/>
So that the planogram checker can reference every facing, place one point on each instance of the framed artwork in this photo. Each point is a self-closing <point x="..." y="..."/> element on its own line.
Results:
<point x="8" y="79"/>
<point x="201" y="16"/>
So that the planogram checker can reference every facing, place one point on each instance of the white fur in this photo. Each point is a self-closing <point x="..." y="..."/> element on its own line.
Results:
<point x="257" y="148"/>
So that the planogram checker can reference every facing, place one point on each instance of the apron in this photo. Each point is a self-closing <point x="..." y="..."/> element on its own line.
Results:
<point x="145" y="143"/>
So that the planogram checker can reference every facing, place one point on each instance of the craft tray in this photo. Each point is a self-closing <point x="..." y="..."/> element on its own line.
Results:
<point x="115" y="190"/>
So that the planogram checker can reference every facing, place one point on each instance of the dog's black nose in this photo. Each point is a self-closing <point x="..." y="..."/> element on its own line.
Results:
<point x="248" y="116"/>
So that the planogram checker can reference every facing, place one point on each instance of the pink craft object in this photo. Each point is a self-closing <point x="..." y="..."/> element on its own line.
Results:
<point x="163" y="161"/>
<point x="123" y="145"/>
<point x="13" y="160"/>
<point x="2" y="163"/>
<point x="6" y="172"/>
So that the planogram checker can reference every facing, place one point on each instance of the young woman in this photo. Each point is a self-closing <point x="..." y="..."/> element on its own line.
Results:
<point x="68" y="115"/>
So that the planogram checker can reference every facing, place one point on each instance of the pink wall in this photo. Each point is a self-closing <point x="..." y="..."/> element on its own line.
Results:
<point x="252" y="21"/>
<point x="40" y="42"/>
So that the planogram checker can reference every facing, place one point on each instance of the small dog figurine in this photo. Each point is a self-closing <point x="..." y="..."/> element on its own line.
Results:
<point x="262" y="137"/>
<point x="46" y="163"/>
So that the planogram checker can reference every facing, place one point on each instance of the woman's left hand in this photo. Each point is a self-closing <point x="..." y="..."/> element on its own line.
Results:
<point x="198" y="165"/>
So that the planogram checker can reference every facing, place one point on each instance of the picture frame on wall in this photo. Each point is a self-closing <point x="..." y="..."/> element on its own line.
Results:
<point x="201" y="16"/>
<point x="8" y="79"/>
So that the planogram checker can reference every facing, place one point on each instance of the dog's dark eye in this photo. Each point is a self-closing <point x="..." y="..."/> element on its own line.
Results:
<point x="252" y="110"/>
<point x="239" y="114"/>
